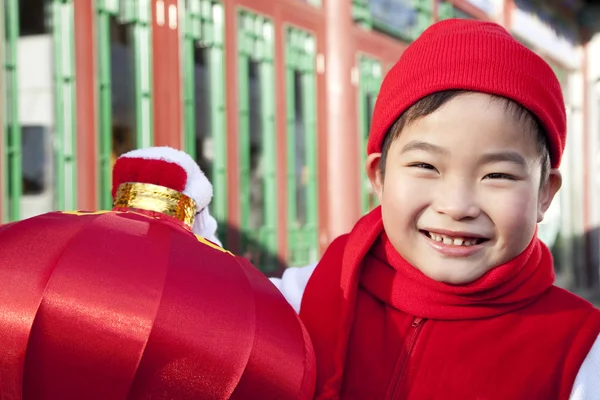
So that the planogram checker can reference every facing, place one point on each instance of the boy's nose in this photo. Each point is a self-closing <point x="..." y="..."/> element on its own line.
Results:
<point x="456" y="201"/>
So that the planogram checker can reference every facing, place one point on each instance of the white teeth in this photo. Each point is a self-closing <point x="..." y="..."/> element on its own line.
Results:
<point x="435" y="236"/>
<point x="453" y="241"/>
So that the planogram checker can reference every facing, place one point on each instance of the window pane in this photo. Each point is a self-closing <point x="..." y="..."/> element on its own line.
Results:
<point x="300" y="149"/>
<point x="34" y="17"/>
<point x="122" y="75"/>
<point x="202" y="96"/>
<point x="35" y="159"/>
<point x="35" y="89"/>
<point x="370" y="105"/>
<point x="257" y="208"/>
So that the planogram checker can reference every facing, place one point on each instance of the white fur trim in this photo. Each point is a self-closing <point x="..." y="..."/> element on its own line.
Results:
<point x="197" y="186"/>
<point x="293" y="283"/>
<point x="206" y="226"/>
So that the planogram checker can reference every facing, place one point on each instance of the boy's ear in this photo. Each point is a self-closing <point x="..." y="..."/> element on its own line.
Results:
<point x="548" y="191"/>
<point x="374" y="173"/>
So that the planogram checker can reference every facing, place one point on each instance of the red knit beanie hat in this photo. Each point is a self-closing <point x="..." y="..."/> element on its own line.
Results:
<point x="476" y="56"/>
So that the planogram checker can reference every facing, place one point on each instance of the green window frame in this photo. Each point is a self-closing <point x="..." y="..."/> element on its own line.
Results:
<point x="3" y="128"/>
<point x="12" y="129"/>
<point x="64" y="119"/>
<point x="370" y="76"/>
<point x="138" y="14"/>
<point x="203" y="25"/>
<point x="303" y="243"/>
<point x="64" y="109"/>
<point x="255" y="45"/>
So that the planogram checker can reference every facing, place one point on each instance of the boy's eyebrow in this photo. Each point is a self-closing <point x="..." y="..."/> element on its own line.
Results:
<point x="500" y="156"/>
<point x="507" y="156"/>
<point x="423" y="146"/>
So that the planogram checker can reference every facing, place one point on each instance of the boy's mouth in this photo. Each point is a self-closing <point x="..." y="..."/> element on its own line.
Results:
<point x="456" y="240"/>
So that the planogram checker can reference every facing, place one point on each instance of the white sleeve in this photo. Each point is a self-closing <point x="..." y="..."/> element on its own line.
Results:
<point x="293" y="282"/>
<point x="587" y="382"/>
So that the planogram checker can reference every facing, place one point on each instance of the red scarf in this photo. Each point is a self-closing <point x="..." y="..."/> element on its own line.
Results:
<point x="508" y="287"/>
<point x="389" y="277"/>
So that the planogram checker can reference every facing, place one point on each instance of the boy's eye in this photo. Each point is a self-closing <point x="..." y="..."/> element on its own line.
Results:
<point x="422" y="166"/>
<point x="498" y="175"/>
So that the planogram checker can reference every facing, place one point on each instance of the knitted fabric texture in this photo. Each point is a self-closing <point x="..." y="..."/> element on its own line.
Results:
<point x="476" y="56"/>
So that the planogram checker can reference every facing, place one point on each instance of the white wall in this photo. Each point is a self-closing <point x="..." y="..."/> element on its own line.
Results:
<point x="573" y="170"/>
<point x="593" y="99"/>
<point x="593" y="84"/>
<point x="36" y="108"/>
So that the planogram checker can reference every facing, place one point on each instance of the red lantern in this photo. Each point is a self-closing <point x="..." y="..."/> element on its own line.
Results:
<point x="131" y="304"/>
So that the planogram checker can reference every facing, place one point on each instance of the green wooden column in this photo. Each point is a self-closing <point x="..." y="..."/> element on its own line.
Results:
<point x="64" y="113"/>
<point x="255" y="55"/>
<point x="3" y="134"/>
<point x="12" y="129"/>
<point x="137" y="14"/>
<point x="370" y="81"/>
<point x="203" y="27"/>
<point x="301" y="147"/>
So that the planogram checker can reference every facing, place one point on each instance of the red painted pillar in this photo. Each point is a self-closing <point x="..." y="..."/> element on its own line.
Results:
<point x="342" y="202"/>
<point x="85" y="94"/>
<point x="166" y="75"/>
<point x="507" y="13"/>
<point x="281" y="139"/>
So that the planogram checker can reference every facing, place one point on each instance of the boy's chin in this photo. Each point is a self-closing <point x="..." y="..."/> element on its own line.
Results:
<point x="455" y="277"/>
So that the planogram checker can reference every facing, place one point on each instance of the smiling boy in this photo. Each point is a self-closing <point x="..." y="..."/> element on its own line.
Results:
<point x="445" y="291"/>
<point x="466" y="175"/>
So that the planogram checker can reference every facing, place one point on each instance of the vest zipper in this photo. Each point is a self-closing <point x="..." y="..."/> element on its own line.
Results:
<point x="400" y="369"/>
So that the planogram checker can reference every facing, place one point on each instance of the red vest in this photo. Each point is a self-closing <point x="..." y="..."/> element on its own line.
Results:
<point x="534" y="352"/>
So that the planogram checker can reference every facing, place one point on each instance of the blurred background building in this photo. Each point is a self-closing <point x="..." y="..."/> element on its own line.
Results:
<point x="272" y="97"/>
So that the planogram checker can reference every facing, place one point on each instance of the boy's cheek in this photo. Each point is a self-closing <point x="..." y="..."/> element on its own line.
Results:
<point x="403" y="195"/>
<point x="517" y="206"/>
<point x="398" y="185"/>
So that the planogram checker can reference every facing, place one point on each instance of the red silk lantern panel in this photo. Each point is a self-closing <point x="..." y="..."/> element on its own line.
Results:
<point x="120" y="305"/>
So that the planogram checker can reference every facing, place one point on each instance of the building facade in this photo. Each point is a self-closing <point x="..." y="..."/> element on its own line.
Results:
<point x="272" y="97"/>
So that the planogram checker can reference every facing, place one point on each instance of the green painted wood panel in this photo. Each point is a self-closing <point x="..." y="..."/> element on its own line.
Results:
<point x="369" y="82"/>
<point x="12" y="129"/>
<point x="203" y="34"/>
<point x="136" y="15"/>
<point x="257" y="140"/>
<point x="64" y="112"/>
<point x="301" y="102"/>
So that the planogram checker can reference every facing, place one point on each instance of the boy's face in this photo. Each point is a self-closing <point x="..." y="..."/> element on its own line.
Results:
<point x="462" y="192"/>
